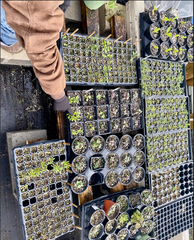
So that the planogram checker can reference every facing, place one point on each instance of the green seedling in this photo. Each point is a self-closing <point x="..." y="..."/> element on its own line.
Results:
<point x="191" y="28"/>
<point x="91" y="127"/>
<point x="98" y="96"/>
<point x="181" y="50"/>
<point x="74" y="99"/>
<point x="173" y="19"/>
<point x="37" y="171"/>
<point x="88" y="115"/>
<point x="124" y="218"/>
<point x="24" y="188"/>
<point x="137" y="218"/>
<point x="156" y="30"/>
<point x="75" y="117"/>
<point x="134" y="55"/>
<point x="166" y="19"/>
<point x="87" y="97"/>
<point x="182" y="36"/>
<point x="79" y="184"/>
<point x="102" y="114"/>
<point x="156" y="47"/>
<point x="154" y="9"/>
<point x="112" y="5"/>
<point x="45" y="189"/>
<point x="183" y="23"/>
<point x="43" y="166"/>
<point x="168" y="33"/>
<point x="79" y="131"/>
<point x="168" y="50"/>
<point x="175" y="50"/>
<point x="57" y="168"/>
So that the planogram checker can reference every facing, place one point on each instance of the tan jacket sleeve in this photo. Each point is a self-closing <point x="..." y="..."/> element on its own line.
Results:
<point x="37" y="25"/>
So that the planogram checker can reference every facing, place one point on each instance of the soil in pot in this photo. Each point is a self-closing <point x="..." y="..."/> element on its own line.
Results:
<point x="112" y="160"/>
<point x="97" y="144"/>
<point x="79" y="184"/>
<point x="147" y="228"/>
<point x="97" y="217"/>
<point x="138" y="174"/>
<point x="163" y="34"/>
<point x="126" y="124"/>
<point x="189" y="27"/>
<point x="97" y="163"/>
<point x="90" y="128"/>
<point x="148" y="213"/>
<point x="124" y="96"/>
<point x="125" y="110"/>
<point x="181" y="25"/>
<point x="136" y="109"/>
<point x="74" y="98"/>
<point x="135" y="95"/>
<point x="138" y="158"/>
<point x="163" y="16"/>
<point x="138" y="141"/>
<point x="136" y="122"/>
<point x="133" y="230"/>
<point x="146" y="197"/>
<point x="125" y="142"/>
<point x="125" y="159"/>
<point x="182" y="39"/>
<point x="77" y="129"/>
<point x="122" y="234"/>
<point x="125" y="176"/>
<point x="95" y="231"/>
<point x="101" y="97"/>
<point x="174" y="37"/>
<point x="173" y="21"/>
<point x="164" y="50"/>
<point x="190" y="41"/>
<point x="79" y="145"/>
<point x="112" y="143"/>
<point x="122" y="220"/>
<point x="88" y="98"/>
<point x="102" y="112"/>
<point x="182" y="53"/>
<point x="155" y="30"/>
<point x="103" y="127"/>
<point x="114" y="111"/>
<point x="112" y="179"/>
<point x="77" y="115"/>
<point x="115" y="125"/>
<point x="155" y="48"/>
<point x="89" y="113"/>
<point x="113" y="212"/>
<point x="122" y="201"/>
<point x="113" y="97"/>
<point x="134" y="200"/>
<point x="153" y="14"/>
<point x="190" y="55"/>
<point x="111" y="237"/>
<point x="79" y="164"/>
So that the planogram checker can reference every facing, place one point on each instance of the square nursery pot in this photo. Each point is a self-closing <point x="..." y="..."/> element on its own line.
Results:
<point x="91" y="128"/>
<point x="104" y="127"/>
<point x="97" y="163"/>
<point x="126" y="124"/>
<point x="75" y="98"/>
<point x="77" y="129"/>
<point x="114" y="111"/>
<point x="102" y="112"/>
<point x="88" y="97"/>
<point x="115" y="125"/>
<point x="125" y="110"/>
<point x="101" y="97"/>
<point x="78" y="115"/>
<point x="43" y="194"/>
<point x="137" y="122"/>
<point x="125" y="96"/>
<point x="90" y="113"/>
<point x="114" y="96"/>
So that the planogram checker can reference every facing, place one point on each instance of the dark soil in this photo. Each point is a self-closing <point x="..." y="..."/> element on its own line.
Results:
<point x="138" y="158"/>
<point x="79" y="145"/>
<point x="112" y="143"/>
<point x="112" y="179"/>
<point x="88" y="98"/>
<point x="125" y="142"/>
<point x="138" y="174"/>
<point x="190" y="41"/>
<point x="153" y="34"/>
<point x="94" y="232"/>
<point x="173" y="24"/>
<point x="136" y="122"/>
<point x="79" y="184"/>
<point x="103" y="127"/>
<point x="138" y="141"/>
<point x="135" y="95"/>
<point x="163" y="48"/>
<point x="126" y="124"/>
<point x="163" y="35"/>
<point x="97" y="217"/>
<point x="182" y="41"/>
<point x="97" y="144"/>
<point x="74" y="98"/>
<point x="79" y="164"/>
<point x="97" y="163"/>
<point x="182" y="27"/>
<point x="134" y="200"/>
<point x="89" y="113"/>
<point x="125" y="176"/>
<point x="174" y="39"/>
<point x="133" y="230"/>
<point x="125" y="159"/>
<point x="182" y="53"/>
<point x="77" y="129"/>
<point x="101" y="97"/>
<point x="190" y="55"/>
<point x="124" y="96"/>
<point x="122" y="234"/>
<point x="174" y="54"/>
<point x="122" y="222"/>
<point x="114" y="111"/>
<point x="90" y="128"/>
<point x="110" y="226"/>
<point x="154" y="16"/>
<point x="189" y="25"/>
<point x="113" y="96"/>
<point x="122" y="201"/>
<point x="115" y="125"/>
<point x="153" y="49"/>
<point x="102" y="112"/>
<point x="162" y="16"/>
<point x="112" y="161"/>
<point x="125" y="110"/>
<point x="111" y="237"/>
<point x="136" y="109"/>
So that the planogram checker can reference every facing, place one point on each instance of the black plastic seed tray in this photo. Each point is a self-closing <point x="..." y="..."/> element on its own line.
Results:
<point x="100" y="204"/>
<point x="174" y="218"/>
<point x="95" y="62"/>
<point x="97" y="177"/>
<point x="172" y="184"/>
<point x="44" y="199"/>
<point x="145" y="40"/>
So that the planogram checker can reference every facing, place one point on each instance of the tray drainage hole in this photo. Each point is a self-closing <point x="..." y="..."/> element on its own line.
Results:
<point x="155" y="204"/>
<point x="186" y="167"/>
<point x="191" y="190"/>
<point x="182" y="193"/>
<point x="190" y="171"/>
<point x="56" y="159"/>
<point x="59" y="185"/>
<point x="54" y="200"/>
<point x="31" y="186"/>
<point x="49" y="167"/>
<point x="52" y="186"/>
<point x="59" y="191"/>
<point x="25" y="203"/>
<point x="182" y="186"/>
<point x="181" y="174"/>
<point x="33" y="200"/>
<point x="62" y="157"/>
<point x="191" y="165"/>
<point x="186" y="185"/>
<point x="187" y="191"/>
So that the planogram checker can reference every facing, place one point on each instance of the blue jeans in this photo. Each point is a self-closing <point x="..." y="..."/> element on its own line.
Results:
<point x="7" y="33"/>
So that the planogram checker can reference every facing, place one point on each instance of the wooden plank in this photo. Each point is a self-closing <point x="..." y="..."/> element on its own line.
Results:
<point x="35" y="140"/>
<point x="191" y="121"/>
<point x="60" y="124"/>
<point x="131" y="185"/>
<point x="118" y="188"/>
<point x="90" y="20"/>
<point x="85" y="196"/>
<point x="189" y="82"/>
<point x="133" y="8"/>
<point x="118" y="27"/>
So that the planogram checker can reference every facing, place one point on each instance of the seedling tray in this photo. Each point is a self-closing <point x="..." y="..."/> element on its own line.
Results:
<point x="44" y="201"/>
<point x="100" y="203"/>
<point x="93" y="61"/>
<point x="98" y="177"/>
<point x="145" y="41"/>
<point x="173" y="184"/>
<point x="174" y="218"/>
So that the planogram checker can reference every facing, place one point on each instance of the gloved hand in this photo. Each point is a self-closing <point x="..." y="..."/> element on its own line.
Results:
<point x="62" y="104"/>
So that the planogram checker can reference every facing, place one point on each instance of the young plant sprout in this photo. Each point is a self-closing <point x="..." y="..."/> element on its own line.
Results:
<point x="74" y="99"/>
<point x="182" y="36"/>
<point x="168" y="33"/>
<point x="75" y="117"/>
<point x="154" y="9"/>
<point x="134" y="55"/>
<point x="156" y="30"/>
<point x="87" y="97"/>
<point x="98" y="96"/>
<point x="136" y="219"/>
<point x="173" y="19"/>
<point x="156" y="47"/>
<point x="79" y="184"/>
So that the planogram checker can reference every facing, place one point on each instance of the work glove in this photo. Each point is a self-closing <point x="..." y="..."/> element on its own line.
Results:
<point x="62" y="104"/>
